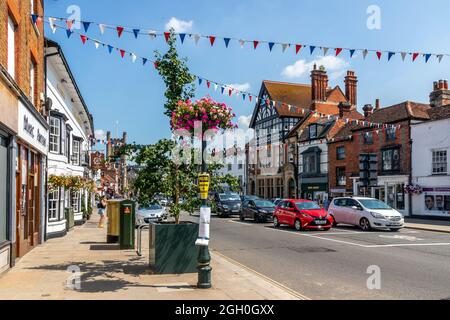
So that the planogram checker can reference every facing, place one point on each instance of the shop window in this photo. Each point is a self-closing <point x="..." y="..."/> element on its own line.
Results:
<point x="341" y="179"/>
<point x="340" y="153"/>
<point x="53" y="205"/>
<point x="55" y="134"/>
<point x="437" y="202"/>
<point x="439" y="162"/>
<point x="391" y="159"/>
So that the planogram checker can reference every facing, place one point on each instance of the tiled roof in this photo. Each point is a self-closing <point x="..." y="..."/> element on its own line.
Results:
<point x="295" y="94"/>
<point x="439" y="113"/>
<point x="402" y="111"/>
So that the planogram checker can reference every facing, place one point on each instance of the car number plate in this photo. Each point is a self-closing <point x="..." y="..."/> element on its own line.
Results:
<point x="321" y="222"/>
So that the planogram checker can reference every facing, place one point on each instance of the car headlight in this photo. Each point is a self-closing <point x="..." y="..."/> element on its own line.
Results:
<point x="377" y="215"/>
<point x="306" y="215"/>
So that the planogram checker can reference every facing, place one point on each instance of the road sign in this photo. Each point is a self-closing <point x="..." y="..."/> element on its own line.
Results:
<point x="203" y="185"/>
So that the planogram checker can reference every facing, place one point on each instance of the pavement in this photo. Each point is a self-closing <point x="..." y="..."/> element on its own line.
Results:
<point x="53" y="271"/>
<point x="429" y="225"/>
<point x="342" y="263"/>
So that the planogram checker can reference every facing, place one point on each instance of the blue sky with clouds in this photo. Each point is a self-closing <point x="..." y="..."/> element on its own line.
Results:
<point x="118" y="91"/>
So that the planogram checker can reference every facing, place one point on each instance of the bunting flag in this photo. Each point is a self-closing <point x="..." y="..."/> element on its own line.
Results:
<point x="83" y="38"/>
<point x="200" y="80"/>
<point x="133" y="57"/>
<point x="86" y="26"/>
<point x="69" y="33"/>
<point x="34" y="18"/>
<point x="208" y="84"/>
<point x="119" y="31"/>
<point x="144" y="61"/>
<point x="122" y="52"/>
<point x="97" y="45"/>
<point x="110" y="49"/>
<point x="182" y="36"/>
<point x="153" y="34"/>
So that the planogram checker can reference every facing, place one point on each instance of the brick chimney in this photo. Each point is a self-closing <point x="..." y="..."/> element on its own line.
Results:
<point x="319" y="83"/>
<point x="377" y="105"/>
<point x="368" y="110"/>
<point x="440" y="95"/>
<point x="108" y="144"/>
<point x="351" y="87"/>
<point x="344" y="109"/>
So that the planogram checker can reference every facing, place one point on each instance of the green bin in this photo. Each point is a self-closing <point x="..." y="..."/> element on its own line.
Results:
<point x="127" y="224"/>
<point x="70" y="219"/>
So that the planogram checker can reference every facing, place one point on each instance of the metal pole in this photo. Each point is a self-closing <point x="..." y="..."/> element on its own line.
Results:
<point x="204" y="258"/>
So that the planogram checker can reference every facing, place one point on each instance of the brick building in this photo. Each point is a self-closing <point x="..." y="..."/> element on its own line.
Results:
<point x="387" y="148"/>
<point x="23" y="129"/>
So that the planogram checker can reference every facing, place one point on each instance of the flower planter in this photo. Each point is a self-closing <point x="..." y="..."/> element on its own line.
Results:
<point x="172" y="248"/>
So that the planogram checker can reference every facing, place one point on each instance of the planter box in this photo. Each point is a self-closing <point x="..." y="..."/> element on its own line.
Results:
<point x="70" y="219"/>
<point x="172" y="248"/>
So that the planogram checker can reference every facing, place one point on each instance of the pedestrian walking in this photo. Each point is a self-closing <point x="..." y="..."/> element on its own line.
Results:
<point x="101" y="211"/>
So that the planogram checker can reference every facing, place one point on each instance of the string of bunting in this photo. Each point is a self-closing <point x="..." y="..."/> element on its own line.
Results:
<point x="136" y="32"/>
<point x="224" y="88"/>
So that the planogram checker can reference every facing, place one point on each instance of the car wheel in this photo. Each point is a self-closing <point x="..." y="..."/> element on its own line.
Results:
<point x="364" y="223"/>
<point x="257" y="218"/>
<point x="298" y="225"/>
<point x="276" y="224"/>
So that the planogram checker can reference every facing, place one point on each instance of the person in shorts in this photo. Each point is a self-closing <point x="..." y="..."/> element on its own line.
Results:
<point x="101" y="211"/>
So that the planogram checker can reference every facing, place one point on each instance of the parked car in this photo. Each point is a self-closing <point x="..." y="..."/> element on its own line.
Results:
<point x="276" y="201"/>
<point x="259" y="210"/>
<point x="248" y="198"/>
<point x="228" y="204"/>
<point x="147" y="214"/>
<point x="367" y="213"/>
<point x="302" y="214"/>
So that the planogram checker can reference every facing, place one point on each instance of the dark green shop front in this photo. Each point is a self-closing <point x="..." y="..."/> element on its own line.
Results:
<point x="314" y="191"/>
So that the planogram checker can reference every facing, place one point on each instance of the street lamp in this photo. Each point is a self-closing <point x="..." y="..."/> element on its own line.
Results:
<point x="204" y="258"/>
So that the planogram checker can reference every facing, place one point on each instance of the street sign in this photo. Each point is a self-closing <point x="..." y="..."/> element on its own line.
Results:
<point x="203" y="185"/>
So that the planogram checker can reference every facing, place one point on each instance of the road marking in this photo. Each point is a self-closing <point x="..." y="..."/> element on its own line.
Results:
<point x="409" y="238"/>
<point x="351" y="243"/>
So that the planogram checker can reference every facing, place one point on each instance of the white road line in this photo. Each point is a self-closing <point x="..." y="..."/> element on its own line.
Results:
<point x="350" y="243"/>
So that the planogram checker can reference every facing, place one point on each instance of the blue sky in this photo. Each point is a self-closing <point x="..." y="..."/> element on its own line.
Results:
<point x="117" y="90"/>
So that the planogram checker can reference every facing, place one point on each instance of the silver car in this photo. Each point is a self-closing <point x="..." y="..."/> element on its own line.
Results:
<point x="147" y="214"/>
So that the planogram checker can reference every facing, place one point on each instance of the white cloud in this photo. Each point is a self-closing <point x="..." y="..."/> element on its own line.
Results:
<point x="100" y="134"/>
<point x="244" y="122"/>
<point x="331" y="63"/>
<point x="240" y="86"/>
<point x="179" y="25"/>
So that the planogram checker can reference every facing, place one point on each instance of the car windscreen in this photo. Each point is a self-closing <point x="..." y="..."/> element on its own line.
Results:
<point x="307" y="206"/>
<point x="151" y="207"/>
<point x="374" y="204"/>
<point x="264" y="204"/>
<point x="229" y="197"/>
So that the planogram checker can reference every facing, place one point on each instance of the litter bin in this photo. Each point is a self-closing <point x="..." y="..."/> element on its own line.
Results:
<point x="70" y="219"/>
<point x="113" y="213"/>
<point x="127" y="224"/>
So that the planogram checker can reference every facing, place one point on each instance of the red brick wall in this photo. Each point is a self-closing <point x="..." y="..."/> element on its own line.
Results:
<point x="29" y="43"/>
<point x="350" y="163"/>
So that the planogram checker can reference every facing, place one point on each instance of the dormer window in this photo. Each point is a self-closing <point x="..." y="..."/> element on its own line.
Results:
<point x="313" y="131"/>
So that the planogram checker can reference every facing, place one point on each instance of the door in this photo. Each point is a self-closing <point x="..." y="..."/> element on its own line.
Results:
<point x="290" y="213"/>
<point x="353" y="215"/>
<point x="3" y="189"/>
<point x="339" y="210"/>
<point x="280" y="212"/>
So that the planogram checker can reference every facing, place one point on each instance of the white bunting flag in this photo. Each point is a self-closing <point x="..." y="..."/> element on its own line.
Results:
<point x="241" y="42"/>
<point x="403" y="54"/>
<point x="215" y="86"/>
<point x="102" y="28"/>
<point x="284" y="47"/>
<point x="365" y="52"/>
<point x="133" y="57"/>
<point x="196" y="38"/>
<point x="152" y="34"/>
<point x="51" y="21"/>
<point x="96" y="44"/>
<point x="325" y="51"/>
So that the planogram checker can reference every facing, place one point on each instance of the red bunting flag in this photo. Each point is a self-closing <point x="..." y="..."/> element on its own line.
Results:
<point x="338" y="51"/>
<point x="255" y="44"/>
<point x="230" y="91"/>
<point x="297" y="48"/>
<point x="122" y="53"/>
<point x="208" y="84"/>
<point x="379" y="55"/>
<point x="167" y="35"/>
<point x="415" y="55"/>
<point x="250" y="97"/>
<point x="211" y="40"/>
<point x="83" y="38"/>
<point x="119" y="31"/>
<point x="155" y="64"/>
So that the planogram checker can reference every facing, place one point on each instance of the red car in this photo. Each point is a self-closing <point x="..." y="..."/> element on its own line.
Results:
<point x="302" y="215"/>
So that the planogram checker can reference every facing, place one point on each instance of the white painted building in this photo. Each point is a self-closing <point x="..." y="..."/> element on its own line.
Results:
<point x="430" y="164"/>
<point x="71" y="129"/>
<point x="234" y="165"/>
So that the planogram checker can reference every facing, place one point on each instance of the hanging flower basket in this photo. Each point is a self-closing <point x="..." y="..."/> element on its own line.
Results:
<point x="413" y="189"/>
<point x="211" y="115"/>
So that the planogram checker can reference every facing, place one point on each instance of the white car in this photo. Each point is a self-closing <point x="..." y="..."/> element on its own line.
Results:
<point x="367" y="213"/>
<point x="147" y="214"/>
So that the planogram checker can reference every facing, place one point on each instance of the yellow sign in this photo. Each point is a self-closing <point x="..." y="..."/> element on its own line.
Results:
<point x="203" y="185"/>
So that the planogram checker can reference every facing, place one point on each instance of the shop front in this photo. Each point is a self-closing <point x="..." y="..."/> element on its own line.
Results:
<point x="432" y="202"/>
<point x="30" y="179"/>
<point x="391" y="190"/>
<point x="315" y="190"/>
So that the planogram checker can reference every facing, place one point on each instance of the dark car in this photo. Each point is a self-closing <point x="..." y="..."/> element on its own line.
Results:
<point x="228" y="204"/>
<point x="259" y="210"/>
<point x="248" y="198"/>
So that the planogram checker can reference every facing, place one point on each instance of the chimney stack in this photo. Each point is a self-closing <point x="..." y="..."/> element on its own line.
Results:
<point x="377" y="105"/>
<point x="440" y="95"/>
<point x="319" y="82"/>
<point x="344" y="109"/>
<point x="368" y="110"/>
<point x="108" y="144"/>
<point x="351" y="87"/>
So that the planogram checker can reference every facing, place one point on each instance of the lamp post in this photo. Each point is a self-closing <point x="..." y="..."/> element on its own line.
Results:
<point x="204" y="258"/>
